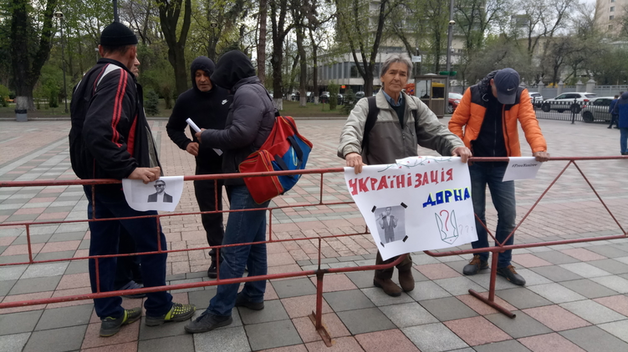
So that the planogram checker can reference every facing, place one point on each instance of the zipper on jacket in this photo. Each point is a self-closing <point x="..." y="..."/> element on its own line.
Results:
<point x="504" y="127"/>
<point x="495" y="136"/>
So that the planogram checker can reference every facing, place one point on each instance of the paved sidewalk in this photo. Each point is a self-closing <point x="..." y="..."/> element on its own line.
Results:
<point x="575" y="299"/>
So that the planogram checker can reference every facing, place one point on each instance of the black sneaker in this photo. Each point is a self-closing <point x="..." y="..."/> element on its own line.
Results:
<point x="207" y="322"/>
<point x="110" y="326"/>
<point x="212" y="272"/>
<point x="475" y="265"/>
<point x="178" y="312"/>
<point x="243" y="301"/>
<point x="511" y="275"/>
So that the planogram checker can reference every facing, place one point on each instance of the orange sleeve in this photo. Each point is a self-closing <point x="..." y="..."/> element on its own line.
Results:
<point x="462" y="115"/>
<point x="530" y="125"/>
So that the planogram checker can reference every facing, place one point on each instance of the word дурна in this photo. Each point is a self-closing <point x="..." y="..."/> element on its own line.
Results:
<point x="444" y="196"/>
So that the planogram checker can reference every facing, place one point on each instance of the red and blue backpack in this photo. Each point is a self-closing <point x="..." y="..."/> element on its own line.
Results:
<point x="284" y="149"/>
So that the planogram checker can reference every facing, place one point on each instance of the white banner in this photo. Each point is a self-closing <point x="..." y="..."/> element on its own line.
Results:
<point x="417" y="204"/>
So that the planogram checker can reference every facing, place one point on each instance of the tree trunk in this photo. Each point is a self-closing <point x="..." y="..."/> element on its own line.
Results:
<point x="80" y="55"/>
<point x="169" y="12"/>
<point x="368" y="82"/>
<point x="302" y="68"/>
<point x="26" y="66"/>
<point x="314" y="69"/>
<point x="277" y="61"/>
<point x="279" y="34"/>
<point x="261" y="44"/>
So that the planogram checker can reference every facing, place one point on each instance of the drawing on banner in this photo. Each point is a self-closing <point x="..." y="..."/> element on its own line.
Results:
<point x="391" y="223"/>
<point x="416" y="204"/>
<point x="447" y="226"/>
<point x="160" y="193"/>
<point x="153" y="195"/>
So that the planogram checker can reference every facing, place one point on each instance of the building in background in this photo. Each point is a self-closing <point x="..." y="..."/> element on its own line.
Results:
<point x="610" y="15"/>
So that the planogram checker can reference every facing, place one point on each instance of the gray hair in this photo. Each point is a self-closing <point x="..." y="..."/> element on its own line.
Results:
<point x="395" y="58"/>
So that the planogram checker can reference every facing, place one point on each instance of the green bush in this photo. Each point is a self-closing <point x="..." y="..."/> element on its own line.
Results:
<point x="333" y="95"/>
<point x="151" y="103"/>
<point x="53" y="99"/>
<point x="349" y="101"/>
<point x="4" y="95"/>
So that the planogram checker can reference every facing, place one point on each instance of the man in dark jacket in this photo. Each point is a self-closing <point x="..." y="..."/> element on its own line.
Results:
<point x="611" y="108"/>
<point x="110" y="138"/>
<point x="207" y="105"/>
<point x="621" y="110"/>
<point x="249" y="122"/>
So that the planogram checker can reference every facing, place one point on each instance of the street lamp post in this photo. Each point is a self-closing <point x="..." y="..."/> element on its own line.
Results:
<point x="59" y="15"/>
<point x="115" y="11"/>
<point x="449" y="37"/>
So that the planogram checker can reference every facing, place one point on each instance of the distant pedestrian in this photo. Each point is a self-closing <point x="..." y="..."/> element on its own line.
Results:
<point x="614" y="116"/>
<point x="621" y="109"/>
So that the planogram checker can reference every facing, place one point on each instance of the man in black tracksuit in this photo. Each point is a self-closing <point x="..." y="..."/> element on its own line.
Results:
<point x="111" y="138"/>
<point x="207" y="105"/>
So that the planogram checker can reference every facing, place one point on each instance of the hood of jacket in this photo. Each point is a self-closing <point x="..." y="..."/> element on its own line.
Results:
<point x="485" y="84"/>
<point x="232" y="67"/>
<point x="624" y="97"/>
<point x="201" y="63"/>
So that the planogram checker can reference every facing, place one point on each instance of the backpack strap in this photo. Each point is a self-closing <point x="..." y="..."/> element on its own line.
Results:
<point x="371" y="118"/>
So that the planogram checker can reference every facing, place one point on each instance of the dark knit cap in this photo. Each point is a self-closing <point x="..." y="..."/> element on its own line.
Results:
<point x="117" y="34"/>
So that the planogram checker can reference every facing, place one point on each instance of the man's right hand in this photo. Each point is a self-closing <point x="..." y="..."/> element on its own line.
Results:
<point x="192" y="148"/>
<point x="354" y="160"/>
<point x="146" y="174"/>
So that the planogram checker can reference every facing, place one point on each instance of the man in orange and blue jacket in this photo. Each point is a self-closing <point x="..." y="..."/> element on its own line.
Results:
<point x="489" y="112"/>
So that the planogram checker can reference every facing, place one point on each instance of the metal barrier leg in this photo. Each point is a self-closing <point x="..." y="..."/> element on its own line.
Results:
<point x="491" y="290"/>
<point x="317" y="317"/>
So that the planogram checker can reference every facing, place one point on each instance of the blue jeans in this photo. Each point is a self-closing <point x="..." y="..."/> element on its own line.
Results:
<point x="623" y="137"/>
<point x="242" y="227"/>
<point x="503" y="196"/>
<point x="109" y="202"/>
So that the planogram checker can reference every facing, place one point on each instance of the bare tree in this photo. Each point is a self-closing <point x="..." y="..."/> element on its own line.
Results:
<point x="169" y="13"/>
<point x="474" y="19"/>
<point x="261" y="44"/>
<point x="280" y="28"/>
<point x="362" y="30"/>
<point x="540" y="19"/>
<point x="140" y="15"/>
<point x="217" y="20"/>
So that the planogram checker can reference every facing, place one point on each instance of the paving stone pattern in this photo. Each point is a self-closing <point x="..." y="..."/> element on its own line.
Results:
<point x="575" y="299"/>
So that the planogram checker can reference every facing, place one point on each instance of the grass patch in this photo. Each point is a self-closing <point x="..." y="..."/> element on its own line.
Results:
<point x="290" y="108"/>
<point x="9" y="111"/>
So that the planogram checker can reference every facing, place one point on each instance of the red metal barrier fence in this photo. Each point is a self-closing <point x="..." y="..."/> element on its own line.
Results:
<point x="320" y="272"/>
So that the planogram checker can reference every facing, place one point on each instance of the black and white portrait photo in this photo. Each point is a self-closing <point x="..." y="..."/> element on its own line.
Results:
<point x="163" y="194"/>
<point x="160" y="194"/>
<point x="390" y="223"/>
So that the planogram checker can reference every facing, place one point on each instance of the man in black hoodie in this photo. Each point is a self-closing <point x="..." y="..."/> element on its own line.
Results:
<point x="207" y="105"/>
<point x="249" y="122"/>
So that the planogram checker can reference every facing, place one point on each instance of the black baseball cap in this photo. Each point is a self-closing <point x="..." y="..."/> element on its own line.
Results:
<point x="506" y="82"/>
<point x="116" y="35"/>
